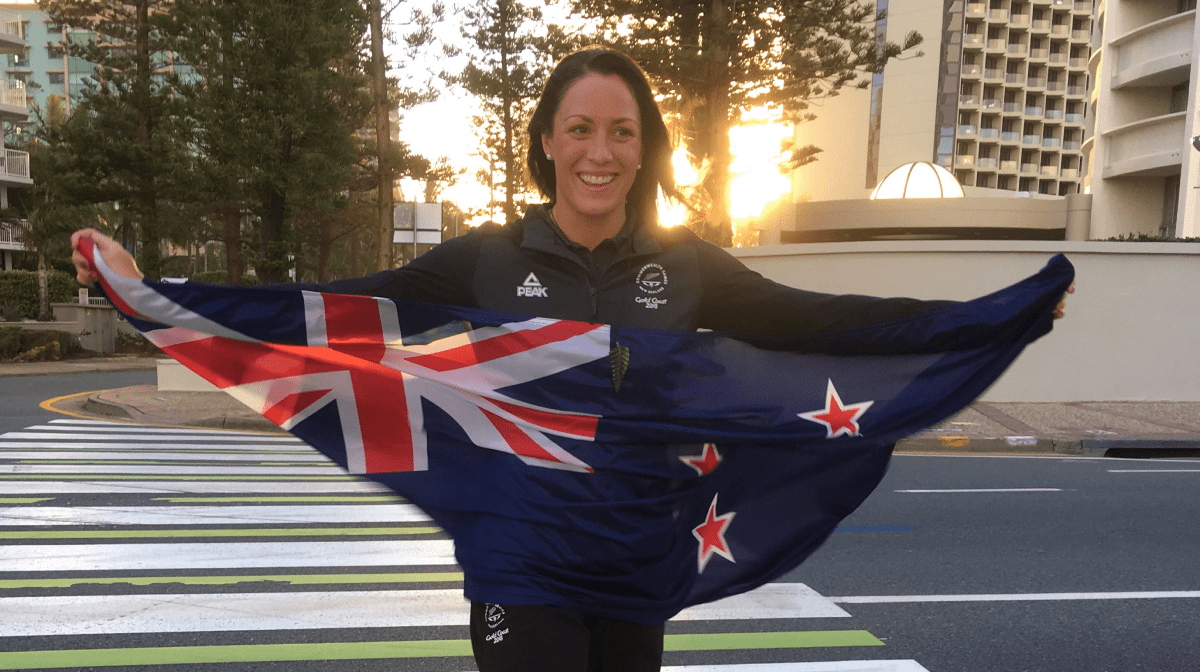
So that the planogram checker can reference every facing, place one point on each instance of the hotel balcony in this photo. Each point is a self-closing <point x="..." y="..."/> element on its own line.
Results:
<point x="1151" y="146"/>
<point x="1050" y="171"/>
<point x="989" y="133"/>
<point x="972" y="70"/>
<point x="11" y="41"/>
<point x="976" y="10"/>
<point x="1010" y="136"/>
<point x="14" y="105"/>
<point x="1156" y="54"/>
<point x="14" y="171"/>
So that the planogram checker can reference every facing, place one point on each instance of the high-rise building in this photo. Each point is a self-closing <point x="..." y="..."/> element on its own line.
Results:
<point x="998" y="96"/>
<point x="14" y="164"/>
<point x="1144" y="173"/>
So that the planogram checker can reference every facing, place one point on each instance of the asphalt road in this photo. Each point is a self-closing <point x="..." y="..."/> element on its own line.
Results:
<point x="955" y="564"/>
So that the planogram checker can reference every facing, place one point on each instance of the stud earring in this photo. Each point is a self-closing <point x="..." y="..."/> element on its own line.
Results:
<point x="549" y="158"/>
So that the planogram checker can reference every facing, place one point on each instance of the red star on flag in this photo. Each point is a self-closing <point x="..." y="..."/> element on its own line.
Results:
<point x="839" y="419"/>
<point x="705" y="462"/>
<point x="711" y="535"/>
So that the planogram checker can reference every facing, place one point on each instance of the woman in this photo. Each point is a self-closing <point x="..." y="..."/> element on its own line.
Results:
<point x="600" y="153"/>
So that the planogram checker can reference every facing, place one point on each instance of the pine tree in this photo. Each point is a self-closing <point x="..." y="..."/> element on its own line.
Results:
<point x="715" y="58"/>
<point x="280" y="91"/>
<point x="126" y="137"/>
<point x="512" y="52"/>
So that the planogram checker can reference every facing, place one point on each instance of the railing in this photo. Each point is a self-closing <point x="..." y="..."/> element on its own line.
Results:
<point x="964" y="160"/>
<point x="993" y="73"/>
<point x="1077" y="90"/>
<point x="997" y="43"/>
<point x="973" y="39"/>
<point x="991" y="104"/>
<point x="1056" y="85"/>
<point x="1069" y="173"/>
<point x="976" y="9"/>
<point x="1039" y="53"/>
<point x="1033" y="111"/>
<point x="1018" y="48"/>
<point x="1014" y="77"/>
<point x="16" y="164"/>
<point x="1083" y="7"/>
<point x="1013" y="107"/>
<point x="1051" y="143"/>
<point x="1041" y="24"/>
<point x="1008" y="165"/>
<point x="10" y="232"/>
<point x="1054" y="114"/>
<point x="1081" y="35"/>
<point x="1029" y="168"/>
<point x="998" y="14"/>
<point x="988" y="161"/>
<point x="1058" y="57"/>
<point x="1060" y="29"/>
<point x="1010" y="136"/>
<point x="968" y="99"/>
<point x="966" y="129"/>
<point x="10" y="24"/>
<point x="972" y="69"/>
<point x="1074" y="117"/>
<point x="12" y="93"/>
<point x="989" y="133"/>
<point x="1078" y="62"/>
<point x="1031" y="139"/>
<point x="1072" y="144"/>
<point x="1039" y="82"/>
<point x="1019" y="20"/>
<point x="1050" y="171"/>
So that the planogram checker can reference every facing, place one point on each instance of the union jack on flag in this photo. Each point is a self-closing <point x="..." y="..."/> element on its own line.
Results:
<point x="717" y="466"/>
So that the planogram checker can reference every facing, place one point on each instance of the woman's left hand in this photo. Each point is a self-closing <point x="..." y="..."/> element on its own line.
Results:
<point x="1061" y="308"/>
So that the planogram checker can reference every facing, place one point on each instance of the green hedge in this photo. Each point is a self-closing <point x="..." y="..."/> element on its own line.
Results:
<point x="26" y="345"/>
<point x="222" y="278"/>
<point x="19" y="292"/>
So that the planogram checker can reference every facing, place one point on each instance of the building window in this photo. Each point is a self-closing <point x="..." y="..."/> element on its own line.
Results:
<point x="1179" y="98"/>
<point x="54" y="77"/>
<point x="1170" y="207"/>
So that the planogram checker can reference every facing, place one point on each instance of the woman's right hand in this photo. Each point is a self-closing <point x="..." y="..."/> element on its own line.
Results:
<point x="114" y="255"/>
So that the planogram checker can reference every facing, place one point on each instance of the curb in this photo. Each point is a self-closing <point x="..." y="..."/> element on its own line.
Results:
<point x="106" y="407"/>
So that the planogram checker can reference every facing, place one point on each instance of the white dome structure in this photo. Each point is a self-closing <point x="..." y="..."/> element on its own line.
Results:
<point x="919" y="179"/>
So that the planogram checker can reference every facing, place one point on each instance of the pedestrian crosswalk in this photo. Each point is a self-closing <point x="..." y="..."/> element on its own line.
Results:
<point x="116" y="540"/>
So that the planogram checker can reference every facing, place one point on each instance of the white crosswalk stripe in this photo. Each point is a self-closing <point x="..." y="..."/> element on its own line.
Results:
<point x="145" y="493"/>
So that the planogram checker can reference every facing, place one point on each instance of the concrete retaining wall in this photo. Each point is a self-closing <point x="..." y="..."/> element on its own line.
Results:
<point x="1132" y="328"/>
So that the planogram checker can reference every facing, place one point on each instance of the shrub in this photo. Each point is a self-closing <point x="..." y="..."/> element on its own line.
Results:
<point x="19" y="290"/>
<point x="25" y="345"/>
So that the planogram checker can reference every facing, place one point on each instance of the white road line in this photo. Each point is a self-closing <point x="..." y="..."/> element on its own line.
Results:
<point x="968" y="490"/>
<point x="211" y="515"/>
<point x="1154" y="471"/>
<point x="133" y="448"/>
<point x="1016" y="597"/>
<point x="103" y="456"/>
<point x="121" y="557"/>
<point x="52" y="487"/>
<point x="830" y="666"/>
<point x="92" y="436"/>
<point x="150" y="429"/>
<point x="115" y="614"/>
<point x="47" y="469"/>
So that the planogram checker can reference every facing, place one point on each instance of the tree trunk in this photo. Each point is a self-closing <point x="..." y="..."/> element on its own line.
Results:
<point x="506" y="102"/>
<point x="383" y="139"/>
<point x="44" y="313"/>
<point x="235" y="266"/>
<point x="151" y="253"/>
<point x="718" y="227"/>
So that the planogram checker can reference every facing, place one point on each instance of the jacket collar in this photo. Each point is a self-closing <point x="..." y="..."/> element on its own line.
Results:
<point x="541" y="233"/>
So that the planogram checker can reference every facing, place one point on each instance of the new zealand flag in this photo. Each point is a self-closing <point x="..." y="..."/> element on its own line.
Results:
<point x="623" y="473"/>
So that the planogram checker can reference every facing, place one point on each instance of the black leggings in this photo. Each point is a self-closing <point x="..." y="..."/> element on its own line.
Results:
<point x="550" y="639"/>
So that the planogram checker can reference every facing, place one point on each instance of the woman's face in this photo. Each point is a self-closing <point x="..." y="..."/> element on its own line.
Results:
<point x="596" y="146"/>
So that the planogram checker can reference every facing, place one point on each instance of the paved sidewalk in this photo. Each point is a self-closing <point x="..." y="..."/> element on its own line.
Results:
<point x="1081" y="428"/>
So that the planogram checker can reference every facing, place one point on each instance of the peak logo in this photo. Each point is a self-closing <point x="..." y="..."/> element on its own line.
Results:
<point x="532" y="287"/>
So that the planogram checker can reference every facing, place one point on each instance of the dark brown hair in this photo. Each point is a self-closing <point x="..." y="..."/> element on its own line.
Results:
<point x="656" y="170"/>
